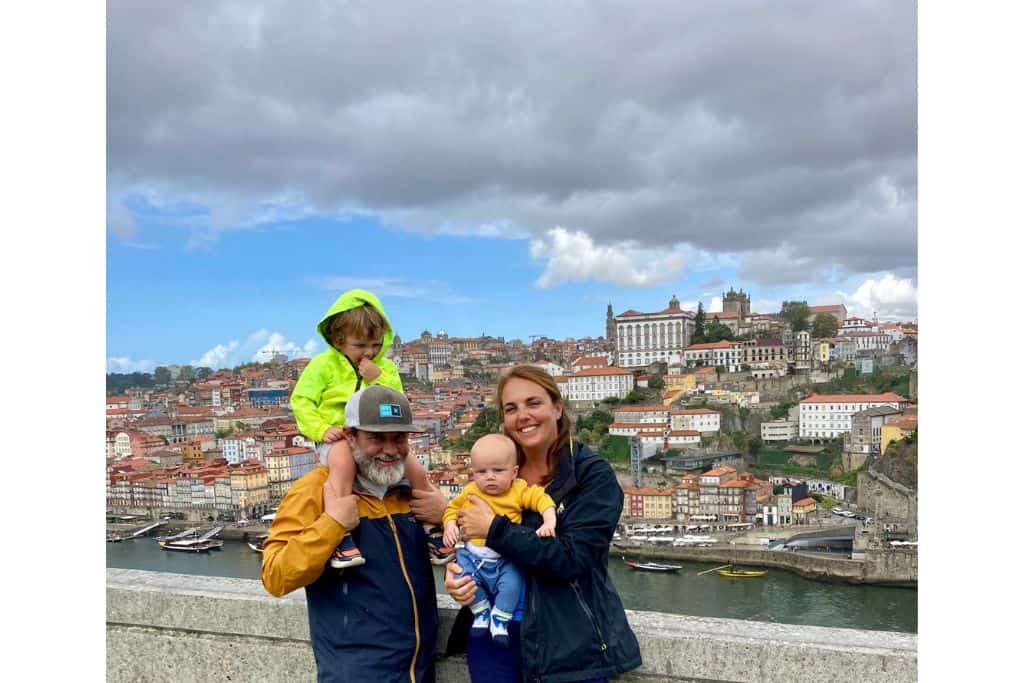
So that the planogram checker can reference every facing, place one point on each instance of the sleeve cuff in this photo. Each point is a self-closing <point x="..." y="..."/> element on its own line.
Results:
<point x="330" y="528"/>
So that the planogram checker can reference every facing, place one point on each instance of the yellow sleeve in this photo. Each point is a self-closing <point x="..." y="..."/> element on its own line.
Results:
<point x="389" y="376"/>
<point x="301" y="538"/>
<point x="457" y="503"/>
<point x="305" y="399"/>
<point x="535" y="498"/>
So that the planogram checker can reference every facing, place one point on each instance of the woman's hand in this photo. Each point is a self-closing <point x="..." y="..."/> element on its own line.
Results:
<point x="475" y="519"/>
<point x="462" y="590"/>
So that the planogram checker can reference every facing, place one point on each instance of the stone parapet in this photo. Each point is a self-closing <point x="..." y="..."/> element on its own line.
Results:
<point x="177" y="627"/>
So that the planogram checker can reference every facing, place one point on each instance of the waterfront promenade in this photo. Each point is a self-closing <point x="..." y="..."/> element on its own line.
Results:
<point x="174" y="627"/>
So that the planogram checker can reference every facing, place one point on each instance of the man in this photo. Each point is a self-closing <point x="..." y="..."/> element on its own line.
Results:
<point x="377" y="622"/>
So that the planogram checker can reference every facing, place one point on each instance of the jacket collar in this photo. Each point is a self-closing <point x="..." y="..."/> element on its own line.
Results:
<point x="565" y="475"/>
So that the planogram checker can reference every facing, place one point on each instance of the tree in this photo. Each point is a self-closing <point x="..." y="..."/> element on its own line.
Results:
<point x="656" y="382"/>
<point x="825" y="325"/>
<point x="203" y="372"/>
<point x="162" y="375"/>
<point x="796" y="313"/>
<point x="187" y="373"/>
<point x="698" y="325"/>
<point x="717" y="331"/>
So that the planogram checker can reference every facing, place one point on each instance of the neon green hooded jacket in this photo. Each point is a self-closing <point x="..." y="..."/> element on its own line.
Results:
<point x="326" y="384"/>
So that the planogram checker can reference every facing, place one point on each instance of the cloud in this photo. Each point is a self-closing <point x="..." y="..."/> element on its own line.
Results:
<point x="889" y="297"/>
<point x="718" y="127"/>
<point x="434" y="291"/>
<point x="573" y="257"/>
<point x="123" y="364"/>
<point x="257" y="347"/>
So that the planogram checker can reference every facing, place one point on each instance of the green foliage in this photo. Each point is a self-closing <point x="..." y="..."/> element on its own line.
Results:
<point x="633" y="397"/>
<point x="615" y="449"/>
<point x="699" y="322"/>
<point x="656" y="382"/>
<point x="717" y="331"/>
<point x="781" y="410"/>
<point x="487" y="422"/>
<point x="825" y="325"/>
<point x="223" y="433"/>
<point x="118" y="383"/>
<point x="162" y="376"/>
<point x="772" y="456"/>
<point x="796" y="313"/>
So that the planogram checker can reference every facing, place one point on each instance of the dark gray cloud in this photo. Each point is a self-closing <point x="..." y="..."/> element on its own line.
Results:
<point x="741" y="127"/>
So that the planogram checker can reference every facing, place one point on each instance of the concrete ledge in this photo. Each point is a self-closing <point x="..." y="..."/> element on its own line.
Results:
<point x="174" y="627"/>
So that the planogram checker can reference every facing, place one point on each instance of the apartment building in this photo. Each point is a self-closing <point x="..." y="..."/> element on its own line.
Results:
<point x="827" y="416"/>
<point x="596" y="384"/>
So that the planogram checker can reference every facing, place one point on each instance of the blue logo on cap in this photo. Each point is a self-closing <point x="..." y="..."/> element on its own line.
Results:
<point x="390" y="410"/>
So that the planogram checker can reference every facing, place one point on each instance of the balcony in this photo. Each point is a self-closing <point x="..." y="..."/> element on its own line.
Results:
<point x="214" y="628"/>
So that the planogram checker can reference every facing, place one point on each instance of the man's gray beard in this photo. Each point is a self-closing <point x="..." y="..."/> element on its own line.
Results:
<point x="381" y="475"/>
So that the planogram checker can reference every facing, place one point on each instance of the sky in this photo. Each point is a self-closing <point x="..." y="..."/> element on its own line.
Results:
<point x="498" y="168"/>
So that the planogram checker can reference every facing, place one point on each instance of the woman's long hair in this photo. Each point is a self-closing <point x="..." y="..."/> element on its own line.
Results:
<point x="540" y="377"/>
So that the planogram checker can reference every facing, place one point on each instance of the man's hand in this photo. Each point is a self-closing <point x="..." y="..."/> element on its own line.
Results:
<point x="428" y="506"/>
<point x="333" y="434"/>
<point x="343" y="509"/>
<point x="368" y="369"/>
<point x="547" y="529"/>
<point x="462" y="590"/>
<point x="475" y="519"/>
<point x="451" y="533"/>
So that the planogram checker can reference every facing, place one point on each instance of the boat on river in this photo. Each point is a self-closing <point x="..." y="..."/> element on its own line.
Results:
<point x="734" y="573"/>
<point x="652" y="566"/>
<point x="256" y="543"/>
<point x="193" y="545"/>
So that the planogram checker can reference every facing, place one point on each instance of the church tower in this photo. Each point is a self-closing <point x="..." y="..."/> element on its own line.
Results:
<point x="737" y="302"/>
<point x="609" y="324"/>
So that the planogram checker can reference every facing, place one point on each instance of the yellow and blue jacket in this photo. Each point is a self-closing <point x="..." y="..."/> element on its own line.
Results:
<point x="329" y="380"/>
<point x="520" y="496"/>
<point x="377" y="622"/>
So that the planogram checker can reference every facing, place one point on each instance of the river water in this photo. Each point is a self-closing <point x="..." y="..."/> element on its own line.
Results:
<point x="779" y="596"/>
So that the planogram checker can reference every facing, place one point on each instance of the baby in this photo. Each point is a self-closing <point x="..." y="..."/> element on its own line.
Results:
<point x="499" y="583"/>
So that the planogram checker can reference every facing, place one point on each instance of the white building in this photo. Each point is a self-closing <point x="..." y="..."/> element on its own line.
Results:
<point x="645" y="338"/>
<point x="646" y="414"/>
<point x="589" y="363"/>
<point x="779" y="430"/>
<point x="725" y="353"/>
<point x="596" y="384"/>
<point x="553" y="369"/>
<point x="698" y="419"/>
<point x="827" y="416"/>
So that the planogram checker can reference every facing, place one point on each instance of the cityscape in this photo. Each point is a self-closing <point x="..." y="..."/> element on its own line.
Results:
<point x="785" y="429"/>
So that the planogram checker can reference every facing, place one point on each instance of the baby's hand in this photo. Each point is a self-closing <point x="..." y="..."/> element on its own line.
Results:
<point x="333" y="434"/>
<point x="368" y="369"/>
<point x="451" y="533"/>
<point x="546" y="530"/>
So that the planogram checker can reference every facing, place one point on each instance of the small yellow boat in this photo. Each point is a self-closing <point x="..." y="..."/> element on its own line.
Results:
<point x="741" y="573"/>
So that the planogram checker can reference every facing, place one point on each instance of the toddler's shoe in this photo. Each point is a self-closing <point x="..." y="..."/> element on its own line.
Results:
<point x="499" y="628"/>
<point x="481" y="623"/>
<point x="439" y="552"/>
<point x="346" y="554"/>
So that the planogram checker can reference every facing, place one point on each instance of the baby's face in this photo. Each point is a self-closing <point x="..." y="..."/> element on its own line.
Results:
<point x="494" y="467"/>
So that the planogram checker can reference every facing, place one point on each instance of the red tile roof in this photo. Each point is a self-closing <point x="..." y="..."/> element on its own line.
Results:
<point x="712" y="345"/>
<point x="887" y="397"/>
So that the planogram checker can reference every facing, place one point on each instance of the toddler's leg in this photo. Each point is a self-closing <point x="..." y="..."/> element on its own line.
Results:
<point x="508" y="586"/>
<point x="439" y="552"/>
<point x="481" y="607"/>
<point x="341" y="474"/>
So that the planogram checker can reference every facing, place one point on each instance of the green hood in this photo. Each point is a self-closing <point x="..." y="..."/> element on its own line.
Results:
<point x="349" y="300"/>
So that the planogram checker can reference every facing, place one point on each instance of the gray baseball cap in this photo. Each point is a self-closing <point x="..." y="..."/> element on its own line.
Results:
<point x="379" y="409"/>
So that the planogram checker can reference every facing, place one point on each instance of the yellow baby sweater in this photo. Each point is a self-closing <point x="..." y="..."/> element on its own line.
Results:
<point x="520" y="496"/>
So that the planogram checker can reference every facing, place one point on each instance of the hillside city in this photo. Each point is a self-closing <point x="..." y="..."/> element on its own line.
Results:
<point x="729" y="420"/>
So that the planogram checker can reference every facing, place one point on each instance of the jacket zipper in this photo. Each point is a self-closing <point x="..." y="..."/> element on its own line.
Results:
<point x="590" y="615"/>
<point x="412" y="594"/>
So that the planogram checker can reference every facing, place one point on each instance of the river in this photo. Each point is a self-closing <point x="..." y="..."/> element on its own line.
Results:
<point x="780" y="596"/>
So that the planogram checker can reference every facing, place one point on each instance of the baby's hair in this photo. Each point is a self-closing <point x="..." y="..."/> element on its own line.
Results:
<point x="504" y="440"/>
<point x="362" y="321"/>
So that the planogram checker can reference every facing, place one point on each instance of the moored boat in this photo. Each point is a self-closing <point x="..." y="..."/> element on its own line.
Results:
<point x="652" y="566"/>
<point x="740" y="573"/>
<point x="256" y="543"/>
<point x="190" y="545"/>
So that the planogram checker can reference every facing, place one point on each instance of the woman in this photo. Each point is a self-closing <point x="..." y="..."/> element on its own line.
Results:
<point x="573" y="625"/>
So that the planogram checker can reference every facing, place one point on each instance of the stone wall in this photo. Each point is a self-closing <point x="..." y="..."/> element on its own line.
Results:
<point x="886" y="499"/>
<point x="176" y="627"/>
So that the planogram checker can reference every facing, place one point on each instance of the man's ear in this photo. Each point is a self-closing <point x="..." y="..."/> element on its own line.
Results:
<point x="350" y="435"/>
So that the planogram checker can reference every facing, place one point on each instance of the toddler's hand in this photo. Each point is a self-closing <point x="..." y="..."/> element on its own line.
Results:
<point x="368" y="369"/>
<point x="333" y="434"/>
<point x="451" y="534"/>
<point x="546" y="531"/>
